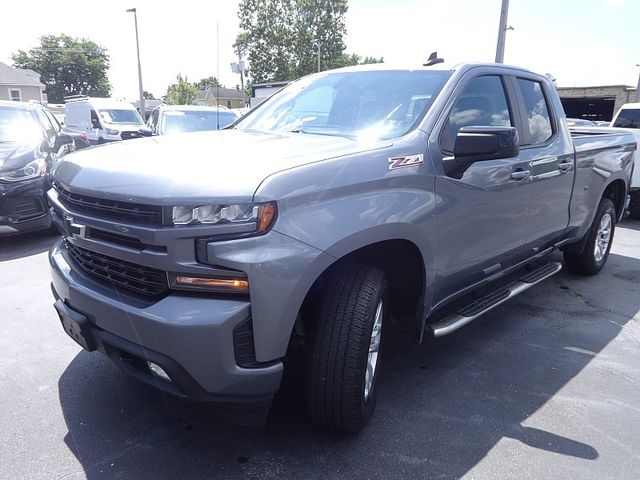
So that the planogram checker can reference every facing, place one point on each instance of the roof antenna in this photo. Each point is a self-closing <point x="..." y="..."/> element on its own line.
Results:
<point x="433" y="60"/>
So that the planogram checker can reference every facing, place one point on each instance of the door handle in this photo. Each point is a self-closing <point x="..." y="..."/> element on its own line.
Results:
<point x="521" y="174"/>
<point x="565" y="165"/>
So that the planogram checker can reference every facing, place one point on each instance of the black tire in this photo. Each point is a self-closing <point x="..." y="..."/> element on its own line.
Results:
<point x="586" y="263"/>
<point x="634" y="205"/>
<point x="339" y="347"/>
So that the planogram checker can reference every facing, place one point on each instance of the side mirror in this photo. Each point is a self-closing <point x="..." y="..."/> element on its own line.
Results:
<point x="477" y="144"/>
<point x="61" y="140"/>
<point x="145" y="131"/>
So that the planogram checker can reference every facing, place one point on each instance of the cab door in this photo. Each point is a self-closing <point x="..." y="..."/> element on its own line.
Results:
<point x="482" y="216"/>
<point x="549" y="150"/>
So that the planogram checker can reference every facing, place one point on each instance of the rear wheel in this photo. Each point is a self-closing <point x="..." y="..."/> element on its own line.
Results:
<point x="634" y="205"/>
<point x="598" y="242"/>
<point x="344" y="354"/>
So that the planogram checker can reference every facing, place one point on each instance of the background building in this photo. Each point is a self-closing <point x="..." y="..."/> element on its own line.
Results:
<point x="595" y="103"/>
<point x="20" y="85"/>
<point x="227" y="97"/>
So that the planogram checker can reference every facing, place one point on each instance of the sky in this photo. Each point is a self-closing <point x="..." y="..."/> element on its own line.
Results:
<point x="579" y="42"/>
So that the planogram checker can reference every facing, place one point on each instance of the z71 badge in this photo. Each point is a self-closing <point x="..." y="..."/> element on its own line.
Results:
<point x="406" y="161"/>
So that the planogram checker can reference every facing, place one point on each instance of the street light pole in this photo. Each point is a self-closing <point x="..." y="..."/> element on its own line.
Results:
<point x="142" y="105"/>
<point x="318" y="56"/>
<point x="638" y="87"/>
<point x="502" y="31"/>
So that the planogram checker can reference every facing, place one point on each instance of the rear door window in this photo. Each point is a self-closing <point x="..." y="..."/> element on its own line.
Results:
<point x="483" y="103"/>
<point x="537" y="111"/>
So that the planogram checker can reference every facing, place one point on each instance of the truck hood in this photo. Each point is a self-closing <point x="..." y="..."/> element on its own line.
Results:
<point x="197" y="167"/>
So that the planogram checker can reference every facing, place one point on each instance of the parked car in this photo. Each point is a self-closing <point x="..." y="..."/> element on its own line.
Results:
<point x="629" y="117"/>
<point x="103" y="119"/>
<point x="168" y="119"/>
<point x="31" y="141"/>
<point x="350" y="198"/>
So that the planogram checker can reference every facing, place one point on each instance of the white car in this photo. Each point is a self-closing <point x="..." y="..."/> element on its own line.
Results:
<point x="103" y="119"/>
<point x="629" y="117"/>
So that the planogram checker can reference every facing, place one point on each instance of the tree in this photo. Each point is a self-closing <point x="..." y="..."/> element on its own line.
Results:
<point x="347" y="60"/>
<point x="148" y="95"/>
<point x="181" y="93"/>
<point x="205" y="83"/>
<point x="282" y="37"/>
<point x="67" y="66"/>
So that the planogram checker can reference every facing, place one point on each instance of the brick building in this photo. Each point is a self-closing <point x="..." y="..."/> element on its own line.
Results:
<point x="595" y="103"/>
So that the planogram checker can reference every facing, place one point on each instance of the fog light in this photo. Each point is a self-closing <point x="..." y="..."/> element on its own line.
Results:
<point x="158" y="371"/>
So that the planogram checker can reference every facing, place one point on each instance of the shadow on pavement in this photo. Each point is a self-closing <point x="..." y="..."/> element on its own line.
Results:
<point x="631" y="224"/>
<point x="442" y="406"/>
<point x="24" y="245"/>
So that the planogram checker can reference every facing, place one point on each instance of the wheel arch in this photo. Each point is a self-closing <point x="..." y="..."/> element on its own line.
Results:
<point x="616" y="191"/>
<point x="403" y="264"/>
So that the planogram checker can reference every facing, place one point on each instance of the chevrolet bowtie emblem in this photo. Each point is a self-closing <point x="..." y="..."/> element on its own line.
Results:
<point x="74" y="229"/>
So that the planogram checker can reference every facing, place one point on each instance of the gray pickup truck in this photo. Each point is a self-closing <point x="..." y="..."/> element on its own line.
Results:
<point x="352" y="202"/>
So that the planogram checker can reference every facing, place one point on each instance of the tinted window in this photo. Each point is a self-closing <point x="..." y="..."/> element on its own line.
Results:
<point x="46" y="124"/>
<point x="153" y="122"/>
<point x="95" y="121"/>
<point x="53" y="120"/>
<point x="177" y="121"/>
<point x="537" y="111"/>
<point x="121" y="116"/>
<point x="362" y="104"/>
<point x="628" y="118"/>
<point x="482" y="103"/>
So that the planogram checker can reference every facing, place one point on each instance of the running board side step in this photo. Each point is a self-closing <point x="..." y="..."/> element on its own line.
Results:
<point x="469" y="313"/>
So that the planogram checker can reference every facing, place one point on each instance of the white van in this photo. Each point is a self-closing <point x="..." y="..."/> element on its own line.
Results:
<point x="629" y="117"/>
<point x="103" y="119"/>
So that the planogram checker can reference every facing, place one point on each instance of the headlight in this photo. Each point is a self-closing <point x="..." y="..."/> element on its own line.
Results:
<point x="262" y="215"/>
<point x="33" y="169"/>
<point x="111" y="131"/>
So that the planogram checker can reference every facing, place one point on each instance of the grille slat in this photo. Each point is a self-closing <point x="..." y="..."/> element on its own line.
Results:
<point x="125" y="211"/>
<point x="136" y="278"/>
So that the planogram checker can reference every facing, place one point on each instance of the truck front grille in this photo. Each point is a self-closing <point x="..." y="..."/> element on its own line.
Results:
<point x="112" y="209"/>
<point x="129" y="135"/>
<point x="120" y="274"/>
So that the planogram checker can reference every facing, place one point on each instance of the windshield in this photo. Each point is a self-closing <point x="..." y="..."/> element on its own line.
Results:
<point x="372" y="104"/>
<point x="111" y="115"/>
<point x="175" y="121"/>
<point x="18" y="125"/>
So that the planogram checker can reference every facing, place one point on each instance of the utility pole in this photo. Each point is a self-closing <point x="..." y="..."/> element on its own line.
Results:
<point x="318" y="56"/>
<point x="143" y="111"/>
<point x="638" y="87"/>
<point x="502" y="31"/>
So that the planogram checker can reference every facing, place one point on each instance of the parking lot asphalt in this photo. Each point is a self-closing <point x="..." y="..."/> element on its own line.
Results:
<point x="546" y="386"/>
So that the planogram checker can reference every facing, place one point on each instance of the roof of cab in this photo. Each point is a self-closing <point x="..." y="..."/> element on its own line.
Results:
<point x="444" y="66"/>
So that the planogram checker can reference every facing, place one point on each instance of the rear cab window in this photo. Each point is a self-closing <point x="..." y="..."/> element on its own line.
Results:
<point x="538" y="118"/>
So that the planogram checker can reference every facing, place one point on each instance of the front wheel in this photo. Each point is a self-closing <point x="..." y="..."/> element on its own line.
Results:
<point x="598" y="242"/>
<point x="344" y="354"/>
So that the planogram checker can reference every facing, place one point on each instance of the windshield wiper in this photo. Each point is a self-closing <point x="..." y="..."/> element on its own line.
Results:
<point x="314" y="132"/>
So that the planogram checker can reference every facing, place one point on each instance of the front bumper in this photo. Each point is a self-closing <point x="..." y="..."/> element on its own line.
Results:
<point x="190" y="337"/>
<point x="23" y="207"/>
